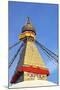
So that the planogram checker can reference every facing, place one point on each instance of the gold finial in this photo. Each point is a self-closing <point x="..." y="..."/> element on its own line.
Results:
<point x="28" y="20"/>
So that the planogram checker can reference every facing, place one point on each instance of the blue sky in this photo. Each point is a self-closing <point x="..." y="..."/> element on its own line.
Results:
<point x="44" y="18"/>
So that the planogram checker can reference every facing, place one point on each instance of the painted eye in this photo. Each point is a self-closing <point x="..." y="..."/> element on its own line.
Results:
<point x="39" y="75"/>
<point x="31" y="75"/>
<point x="42" y="76"/>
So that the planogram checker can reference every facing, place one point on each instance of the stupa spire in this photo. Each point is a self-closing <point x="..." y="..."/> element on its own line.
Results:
<point x="28" y="20"/>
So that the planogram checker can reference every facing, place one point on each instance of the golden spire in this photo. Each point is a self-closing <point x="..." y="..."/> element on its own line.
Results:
<point x="27" y="30"/>
<point x="28" y="26"/>
<point x="28" y="20"/>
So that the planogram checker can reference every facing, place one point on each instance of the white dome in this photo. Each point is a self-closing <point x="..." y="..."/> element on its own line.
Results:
<point x="35" y="83"/>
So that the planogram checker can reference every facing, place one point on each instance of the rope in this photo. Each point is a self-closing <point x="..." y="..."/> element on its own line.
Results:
<point x="13" y="59"/>
<point x="14" y="45"/>
<point x="50" y="58"/>
<point x="48" y="51"/>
